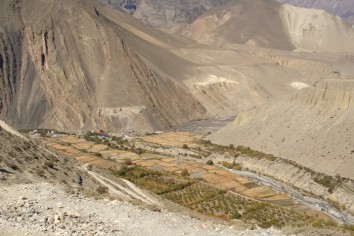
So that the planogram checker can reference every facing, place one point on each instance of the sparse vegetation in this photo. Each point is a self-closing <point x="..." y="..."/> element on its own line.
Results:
<point x="327" y="181"/>
<point x="253" y="153"/>
<point x="154" y="181"/>
<point x="216" y="202"/>
<point x="233" y="165"/>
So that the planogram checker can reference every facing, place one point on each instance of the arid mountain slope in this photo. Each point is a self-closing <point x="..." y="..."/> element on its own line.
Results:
<point x="79" y="65"/>
<point x="168" y="15"/>
<point x="313" y="128"/>
<point x="342" y="8"/>
<point x="254" y="23"/>
<point x="316" y="30"/>
<point x="266" y="23"/>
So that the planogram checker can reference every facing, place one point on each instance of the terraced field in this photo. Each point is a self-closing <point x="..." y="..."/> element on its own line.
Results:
<point x="227" y="205"/>
<point x="209" y="189"/>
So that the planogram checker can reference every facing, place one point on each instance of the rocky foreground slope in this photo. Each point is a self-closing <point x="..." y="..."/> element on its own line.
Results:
<point x="313" y="128"/>
<point x="43" y="209"/>
<point x="23" y="161"/>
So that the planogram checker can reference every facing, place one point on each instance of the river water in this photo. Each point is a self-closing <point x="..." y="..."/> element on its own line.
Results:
<point x="314" y="203"/>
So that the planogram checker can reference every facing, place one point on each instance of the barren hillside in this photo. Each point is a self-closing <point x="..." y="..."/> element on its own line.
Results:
<point x="266" y="23"/>
<point x="342" y="8"/>
<point x="79" y="65"/>
<point x="168" y="15"/>
<point x="313" y="128"/>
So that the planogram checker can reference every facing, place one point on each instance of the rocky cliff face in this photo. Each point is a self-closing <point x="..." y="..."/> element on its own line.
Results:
<point x="63" y="63"/>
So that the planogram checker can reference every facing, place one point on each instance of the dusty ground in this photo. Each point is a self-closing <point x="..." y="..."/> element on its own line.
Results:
<point x="44" y="209"/>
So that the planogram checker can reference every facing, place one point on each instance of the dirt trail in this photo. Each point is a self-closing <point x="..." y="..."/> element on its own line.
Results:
<point x="11" y="130"/>
<point x="133" y="192"/>
<point x="141" y="193"/>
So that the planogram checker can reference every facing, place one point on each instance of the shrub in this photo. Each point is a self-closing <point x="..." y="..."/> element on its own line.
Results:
<point x="184" y="172"/>
<point x="228" y="165"/>
<point x="40" y="173"/>
<point x="235" y="215"/>
<point x="98" y="154"/>
<point x="185" y="146"/>
<point x="140" y="151"/>
<point x="210" y="162"/>
<point x="102" y="189"/>
<point x="122" y="170"/>
<point x="14" y="166"/>
<point x="237" y="166"/>
<point x="128" y="162"/>
<point x="196" y="156"/>
<point x="49" y="164"/>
